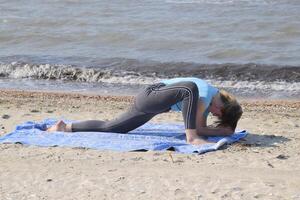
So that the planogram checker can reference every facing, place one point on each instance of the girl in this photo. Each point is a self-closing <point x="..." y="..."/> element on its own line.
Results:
<point x="194" y="97"/>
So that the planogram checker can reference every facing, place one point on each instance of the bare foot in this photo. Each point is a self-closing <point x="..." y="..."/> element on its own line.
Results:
<point x="59" y="126"/>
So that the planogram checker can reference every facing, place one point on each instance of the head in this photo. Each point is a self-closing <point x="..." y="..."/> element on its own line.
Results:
<point x="227" y="109"/>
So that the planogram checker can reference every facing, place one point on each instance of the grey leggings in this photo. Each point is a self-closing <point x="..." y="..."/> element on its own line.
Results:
<point x="155" y="99"/>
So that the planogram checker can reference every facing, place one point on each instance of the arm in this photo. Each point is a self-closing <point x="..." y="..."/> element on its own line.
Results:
<point x="195" y="136"/>
<point x="212" y="131"/>
<point x="203" y="129"/>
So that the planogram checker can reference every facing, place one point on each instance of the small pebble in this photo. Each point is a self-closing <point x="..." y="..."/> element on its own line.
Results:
<point x="282" y="157"/>
<point x="34" y="111"/>
<point x="120" y="178"/>
<point x="270" y="165"/>
<point x="178" y="191"/>
<point x="49" y="180"/>
<point x="5" y="116"/>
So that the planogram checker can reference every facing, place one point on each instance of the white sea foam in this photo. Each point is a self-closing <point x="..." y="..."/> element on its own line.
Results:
<point x="85" y="79"/>
<point x="259" y="85"/>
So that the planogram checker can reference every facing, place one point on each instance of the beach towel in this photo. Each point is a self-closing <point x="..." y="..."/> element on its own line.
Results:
<point x="155" y="137"/>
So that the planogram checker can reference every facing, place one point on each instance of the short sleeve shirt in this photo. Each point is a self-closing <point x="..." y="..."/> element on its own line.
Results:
<point x="206" y="92"/>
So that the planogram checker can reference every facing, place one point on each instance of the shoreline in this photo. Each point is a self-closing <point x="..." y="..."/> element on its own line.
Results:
<point x="128" y="98"/>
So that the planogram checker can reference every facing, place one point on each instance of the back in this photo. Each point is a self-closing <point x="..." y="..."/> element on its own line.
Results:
<point x="206" y="91"/>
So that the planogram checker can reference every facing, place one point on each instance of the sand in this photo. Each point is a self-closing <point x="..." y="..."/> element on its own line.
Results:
<point x="265" y="165"/>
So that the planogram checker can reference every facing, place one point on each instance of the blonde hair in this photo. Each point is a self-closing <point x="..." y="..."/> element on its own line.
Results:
<point x="231" y="111"/>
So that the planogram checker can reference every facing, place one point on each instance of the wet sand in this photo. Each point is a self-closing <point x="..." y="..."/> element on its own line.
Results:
<point x="265" y="165"/>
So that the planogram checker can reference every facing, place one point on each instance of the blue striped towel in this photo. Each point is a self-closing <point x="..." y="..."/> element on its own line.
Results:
<point x="155" y="137"/>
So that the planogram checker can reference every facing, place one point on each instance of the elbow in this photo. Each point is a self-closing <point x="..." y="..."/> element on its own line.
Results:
<point x="228" y="132"/>
<point x="201" y="131"/>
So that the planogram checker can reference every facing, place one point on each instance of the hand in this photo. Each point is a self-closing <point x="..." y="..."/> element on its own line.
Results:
<point x="198" y="141"/>
<point x="193" y="138"/>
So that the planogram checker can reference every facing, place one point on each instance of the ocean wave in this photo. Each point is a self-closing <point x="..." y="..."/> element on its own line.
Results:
<point x="17" y="70"/>
<point x="126" y="75"/>
<point x="144" y="72"/>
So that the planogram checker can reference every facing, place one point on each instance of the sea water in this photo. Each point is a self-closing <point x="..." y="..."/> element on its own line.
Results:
<point x="249" y="47"/>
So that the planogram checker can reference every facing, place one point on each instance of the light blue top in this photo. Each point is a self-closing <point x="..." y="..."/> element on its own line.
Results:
<point x="206" y="91"/>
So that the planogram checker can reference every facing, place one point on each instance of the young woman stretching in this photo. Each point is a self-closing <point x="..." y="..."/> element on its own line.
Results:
<point x="194" y="97"/>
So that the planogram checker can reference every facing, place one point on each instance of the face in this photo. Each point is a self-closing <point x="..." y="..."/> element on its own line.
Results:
<point x="216" y="107"/>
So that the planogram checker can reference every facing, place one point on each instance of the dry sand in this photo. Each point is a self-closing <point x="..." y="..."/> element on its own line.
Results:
<point x="265" y="165"/>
